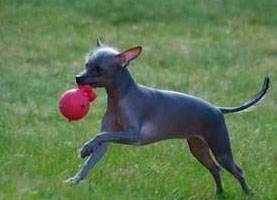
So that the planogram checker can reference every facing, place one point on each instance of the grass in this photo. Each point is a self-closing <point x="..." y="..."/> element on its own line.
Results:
<point x="217" y="50"/>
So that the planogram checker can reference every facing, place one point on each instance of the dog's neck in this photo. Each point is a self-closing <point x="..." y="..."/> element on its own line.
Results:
<point x="121" y="84"/>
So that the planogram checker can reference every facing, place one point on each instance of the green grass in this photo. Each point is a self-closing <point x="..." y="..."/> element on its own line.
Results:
<point x="217" y="50"/>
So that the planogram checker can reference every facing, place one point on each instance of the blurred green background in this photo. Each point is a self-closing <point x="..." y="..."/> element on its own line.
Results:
<point x="219" y="50"/>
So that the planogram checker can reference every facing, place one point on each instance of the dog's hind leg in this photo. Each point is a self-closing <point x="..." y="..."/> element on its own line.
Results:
<point x="90" y="162"/>
<point x="201" y="152"/>
<point x="219" y="143"/>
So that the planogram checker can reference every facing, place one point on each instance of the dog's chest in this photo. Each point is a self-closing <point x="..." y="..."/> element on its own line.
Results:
<point x="121" y="114"/>
<point x="116" y="120"/>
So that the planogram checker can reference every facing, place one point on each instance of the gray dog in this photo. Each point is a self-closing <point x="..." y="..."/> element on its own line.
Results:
<point x="139" y="115"/>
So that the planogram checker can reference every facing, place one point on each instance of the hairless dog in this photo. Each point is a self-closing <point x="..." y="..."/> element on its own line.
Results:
<point x="140" y="115"/>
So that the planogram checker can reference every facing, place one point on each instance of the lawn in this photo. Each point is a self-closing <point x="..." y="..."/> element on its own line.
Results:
<point x="217" y="50"/>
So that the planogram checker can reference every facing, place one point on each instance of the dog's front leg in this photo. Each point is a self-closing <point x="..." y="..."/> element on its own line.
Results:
<point x="124" y="137"/>
<point x="91" y="161"/>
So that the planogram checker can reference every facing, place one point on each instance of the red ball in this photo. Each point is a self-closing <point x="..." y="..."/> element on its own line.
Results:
<point x="74" y="104"/>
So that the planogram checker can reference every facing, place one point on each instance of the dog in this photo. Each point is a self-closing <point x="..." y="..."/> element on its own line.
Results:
<point x="140" y="115"/>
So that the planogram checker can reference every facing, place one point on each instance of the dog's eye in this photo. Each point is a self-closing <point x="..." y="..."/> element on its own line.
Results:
<point x="98" y="69"/>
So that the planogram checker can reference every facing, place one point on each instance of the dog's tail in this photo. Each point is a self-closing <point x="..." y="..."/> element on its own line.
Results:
<point x="258" y="98"/>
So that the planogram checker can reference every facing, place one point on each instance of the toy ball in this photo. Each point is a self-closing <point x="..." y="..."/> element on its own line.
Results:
<point x="74" y="104"/>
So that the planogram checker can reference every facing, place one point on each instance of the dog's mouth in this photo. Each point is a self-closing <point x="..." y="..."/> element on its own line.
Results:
<point x="95" y="84"/>
<point x="91" y="83"/>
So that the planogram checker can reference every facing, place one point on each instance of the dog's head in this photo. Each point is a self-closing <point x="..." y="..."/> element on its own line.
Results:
<point x="102" y="64"/>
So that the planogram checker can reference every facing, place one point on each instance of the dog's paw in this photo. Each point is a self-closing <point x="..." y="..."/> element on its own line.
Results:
<point x="249" y="191"/>
<point x="85" y="151"/>
<point x="72" y="181"/>
<point x="88" y="149"/>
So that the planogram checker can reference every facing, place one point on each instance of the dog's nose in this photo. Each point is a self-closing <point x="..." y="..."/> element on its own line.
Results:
<point x="78" y="79"/>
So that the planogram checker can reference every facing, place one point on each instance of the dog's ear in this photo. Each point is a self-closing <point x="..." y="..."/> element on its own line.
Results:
<point x="130" y="54"/>
<point x="99" y="42"/>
